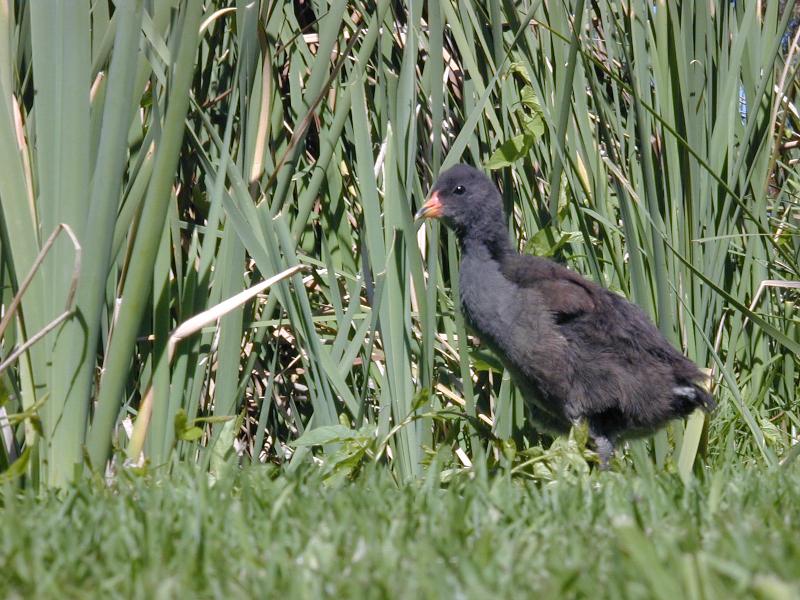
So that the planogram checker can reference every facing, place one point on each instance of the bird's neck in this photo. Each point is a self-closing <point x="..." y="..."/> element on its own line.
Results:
<point x="486" y="243"/>
<point x="486" y="294"/>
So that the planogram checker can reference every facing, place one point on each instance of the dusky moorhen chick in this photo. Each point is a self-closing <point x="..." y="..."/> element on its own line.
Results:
<point x="576" y="350"/>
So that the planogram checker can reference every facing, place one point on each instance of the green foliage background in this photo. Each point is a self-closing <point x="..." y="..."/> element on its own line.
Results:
<point x="195" y="148"/>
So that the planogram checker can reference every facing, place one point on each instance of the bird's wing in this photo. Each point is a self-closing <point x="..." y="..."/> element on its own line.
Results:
<point x="566" y="294"/>
<point x="566" y="299"/>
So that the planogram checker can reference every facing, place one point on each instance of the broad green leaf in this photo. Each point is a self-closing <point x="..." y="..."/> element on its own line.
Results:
<point x="327" y="434"/>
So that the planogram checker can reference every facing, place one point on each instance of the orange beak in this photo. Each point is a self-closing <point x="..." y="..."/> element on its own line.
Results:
<point x="432" y="208"/>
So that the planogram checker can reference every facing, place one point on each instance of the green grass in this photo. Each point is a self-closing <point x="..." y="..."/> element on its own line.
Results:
<point x="258" y="533"/>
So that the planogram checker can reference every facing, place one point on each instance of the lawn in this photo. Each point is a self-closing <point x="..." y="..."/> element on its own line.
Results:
<point x="260" y="532"/>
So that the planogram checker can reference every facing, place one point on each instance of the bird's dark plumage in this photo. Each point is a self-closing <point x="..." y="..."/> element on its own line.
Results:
<point x="576" y="350"/>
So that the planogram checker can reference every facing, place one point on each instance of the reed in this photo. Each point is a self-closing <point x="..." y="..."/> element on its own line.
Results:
<point x="198" y="148"/>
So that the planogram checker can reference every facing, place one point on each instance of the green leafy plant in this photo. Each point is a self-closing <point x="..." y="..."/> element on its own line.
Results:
<point x="196" y="149"/>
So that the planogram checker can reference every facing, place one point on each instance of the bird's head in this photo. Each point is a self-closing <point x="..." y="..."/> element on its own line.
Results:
<point x="466" y="201"/>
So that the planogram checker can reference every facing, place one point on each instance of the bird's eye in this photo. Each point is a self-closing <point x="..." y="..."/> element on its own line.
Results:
<point x="460" y="189"/>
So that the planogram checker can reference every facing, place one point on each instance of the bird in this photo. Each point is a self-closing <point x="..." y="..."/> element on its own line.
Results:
<point x="577" y="351"/>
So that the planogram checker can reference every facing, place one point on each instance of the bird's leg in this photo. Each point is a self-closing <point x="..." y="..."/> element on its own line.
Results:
<point x="605" y="449"/>
<point x="603" y="444"/>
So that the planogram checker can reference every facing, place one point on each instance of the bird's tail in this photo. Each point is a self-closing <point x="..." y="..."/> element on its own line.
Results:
<point x="692" y="396"/>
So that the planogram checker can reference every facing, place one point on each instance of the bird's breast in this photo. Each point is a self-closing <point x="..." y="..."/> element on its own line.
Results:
<point x="487" y="298"/>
